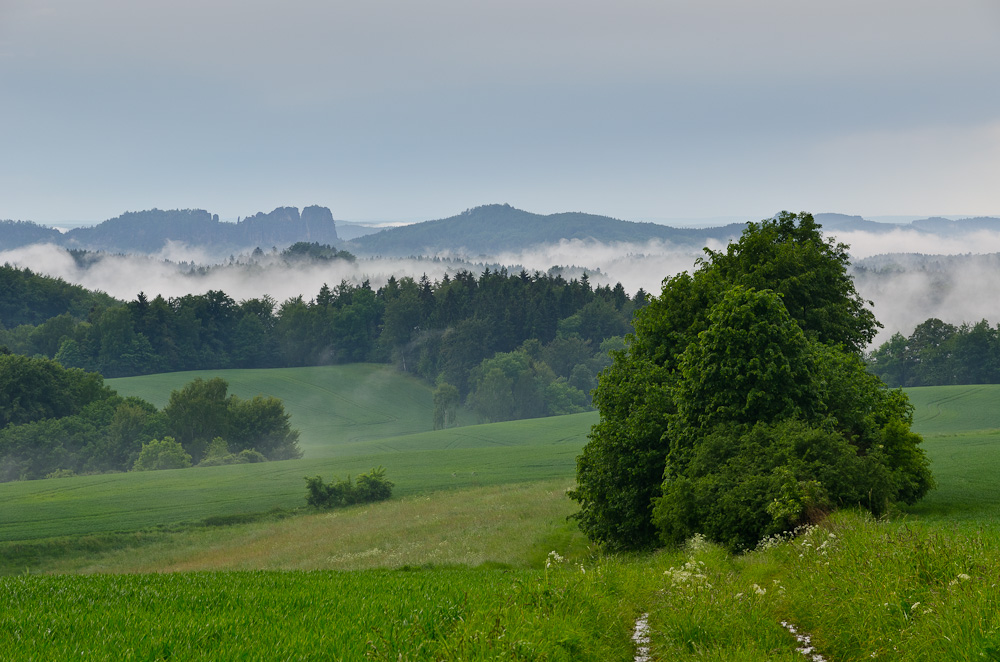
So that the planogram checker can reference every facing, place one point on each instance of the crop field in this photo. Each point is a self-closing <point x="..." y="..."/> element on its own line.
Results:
<point x="329" y="405"/>
<point x="517" y="451"/>
<point x="455" y="614"/>
<point x="948" y="410"/>
<point x="961" y="430"/>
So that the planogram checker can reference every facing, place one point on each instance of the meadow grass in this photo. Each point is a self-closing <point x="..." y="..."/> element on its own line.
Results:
<point x="513" y="525"/>
<point x="861" y="589"/>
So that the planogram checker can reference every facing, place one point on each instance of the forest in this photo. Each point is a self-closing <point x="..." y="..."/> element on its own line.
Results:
<point x="512" y="345"/>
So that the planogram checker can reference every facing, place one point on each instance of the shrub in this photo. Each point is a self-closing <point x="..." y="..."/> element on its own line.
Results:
<point x="370" y="487"/>
<point x="166" y="453"/>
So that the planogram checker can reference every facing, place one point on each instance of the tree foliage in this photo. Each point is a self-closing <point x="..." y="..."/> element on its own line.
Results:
<point x="439" y="330"/>
<point x="740" y="406"/>
<point x="202" y="410"/>
<point x="158" y="454"/>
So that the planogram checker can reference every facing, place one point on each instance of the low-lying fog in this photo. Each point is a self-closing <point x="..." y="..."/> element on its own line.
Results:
<point x="905" y="289"/>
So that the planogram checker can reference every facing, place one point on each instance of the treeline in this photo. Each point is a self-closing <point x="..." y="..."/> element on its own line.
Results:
<point x="59" y="422"/>
<point x="938" y="353"/>
<point x="31" y="299"/>
<point x="440" y="330"/>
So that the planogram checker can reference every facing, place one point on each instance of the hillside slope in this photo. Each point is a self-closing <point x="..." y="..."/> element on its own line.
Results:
<point x="329" y="405"/>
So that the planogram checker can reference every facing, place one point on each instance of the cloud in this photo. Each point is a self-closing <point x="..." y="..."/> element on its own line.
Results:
<point x="867" y="244"/>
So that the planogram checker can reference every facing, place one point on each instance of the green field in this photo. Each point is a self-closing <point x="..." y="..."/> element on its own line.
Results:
<point x="518" y="451"/>
<point x="477" y="509"/>
<point x="960" y="426"/>
<point x="367" y="409"/>
<point x="961" y="430"/>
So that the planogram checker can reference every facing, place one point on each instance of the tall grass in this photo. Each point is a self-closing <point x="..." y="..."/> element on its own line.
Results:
<point x="506" y="525"/>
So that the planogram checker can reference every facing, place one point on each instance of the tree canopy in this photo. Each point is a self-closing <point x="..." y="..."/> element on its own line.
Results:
<point x="740" y="407"/>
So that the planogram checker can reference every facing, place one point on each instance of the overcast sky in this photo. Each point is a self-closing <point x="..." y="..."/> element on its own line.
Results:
<point x="403" y="110"/>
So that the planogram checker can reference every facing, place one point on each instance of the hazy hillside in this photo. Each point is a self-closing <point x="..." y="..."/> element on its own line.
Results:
<point x="30" y="298"/>
<point x="14" y="234"/>
<point x="485" y="230"/>
<point x="149" y="231"/>
<point x="492" y="228"/>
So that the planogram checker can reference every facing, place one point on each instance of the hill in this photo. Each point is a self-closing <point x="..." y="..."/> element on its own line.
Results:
<point x="962" y="439"/>
<point x="484" y="230"/>
<point x="330" y="405"/>
<point x="494" y="228"/>
<point x="149" y="231"/>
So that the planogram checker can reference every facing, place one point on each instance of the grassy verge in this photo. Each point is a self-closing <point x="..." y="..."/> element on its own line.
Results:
<point x="862" y="589"/>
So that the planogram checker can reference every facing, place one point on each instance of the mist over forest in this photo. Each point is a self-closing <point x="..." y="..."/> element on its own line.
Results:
<point x="910" y="273"/>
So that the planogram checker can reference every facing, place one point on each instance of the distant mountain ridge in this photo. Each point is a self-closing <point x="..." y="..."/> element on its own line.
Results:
<point x="486" y="230"/>
<point x="494" y="228"/>
<point x="149" y="231"/>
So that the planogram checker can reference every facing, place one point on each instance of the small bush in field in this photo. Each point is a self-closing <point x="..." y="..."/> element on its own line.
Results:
<point x="370" y="487"/>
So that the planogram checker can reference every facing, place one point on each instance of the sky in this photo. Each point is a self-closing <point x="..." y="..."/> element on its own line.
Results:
<point x="393" y="110"/>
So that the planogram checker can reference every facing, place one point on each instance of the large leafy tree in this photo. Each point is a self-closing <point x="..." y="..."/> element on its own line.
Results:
<point x="772" y="428"/>
<point x="764" y="335"/>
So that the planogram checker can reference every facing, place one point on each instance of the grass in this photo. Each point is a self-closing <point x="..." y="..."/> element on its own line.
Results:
<point x="329" y="405"/>
<point x="495" y="454"/>
<point x="861" y="589"/>
<point x="457" y="614"/>
<point x="503" y="525"/>
<point x="321" y="586"/>
<point x="961" y="430"/>
<point x="949" y="410"/>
